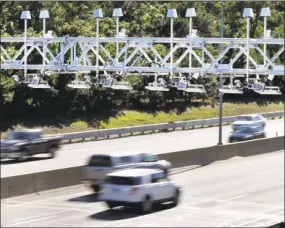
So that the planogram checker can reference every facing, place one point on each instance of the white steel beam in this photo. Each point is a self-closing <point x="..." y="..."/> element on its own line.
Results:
<point x="132" y="58"/>
<point x="4" y="52"/>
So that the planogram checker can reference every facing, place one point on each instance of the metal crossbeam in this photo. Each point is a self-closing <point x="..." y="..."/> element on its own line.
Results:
<point x="80" y="54"/>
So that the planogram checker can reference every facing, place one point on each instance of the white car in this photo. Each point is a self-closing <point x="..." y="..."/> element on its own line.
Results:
<point x="101" y="164"/>
<point x="139" y="188"/>
<point x="253" y="120"/>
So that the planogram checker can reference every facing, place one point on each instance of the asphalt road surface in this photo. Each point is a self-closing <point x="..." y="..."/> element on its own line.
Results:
<point x="238" y="192"/>
<point x="77" y="154"/>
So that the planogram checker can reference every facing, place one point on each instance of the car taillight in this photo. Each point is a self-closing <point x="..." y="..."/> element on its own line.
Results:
<point x="134" y="190"/>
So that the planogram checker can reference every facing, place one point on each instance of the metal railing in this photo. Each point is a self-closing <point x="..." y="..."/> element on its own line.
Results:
<point x="161" y="127"/>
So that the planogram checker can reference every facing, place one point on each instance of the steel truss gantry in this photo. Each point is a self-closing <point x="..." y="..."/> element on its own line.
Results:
<point x="141" y="55"/>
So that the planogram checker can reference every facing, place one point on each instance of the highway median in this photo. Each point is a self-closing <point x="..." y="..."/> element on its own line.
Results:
<point x="42" y="181"/>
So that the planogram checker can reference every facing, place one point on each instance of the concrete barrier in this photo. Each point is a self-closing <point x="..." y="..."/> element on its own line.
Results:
<point x="57" y="178"/>
<point x="183" y="158"/>
<point x="17" y="185"/>
<point x="207" y="155"/>
<point x="36" y="182"/>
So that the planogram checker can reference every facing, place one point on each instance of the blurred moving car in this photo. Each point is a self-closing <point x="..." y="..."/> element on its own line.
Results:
<point x="139" y="189"/>
<point x="244" y="133"/>
<point x="99" y="165"/>
<point x="256" y="120"/>
<point x="22" y="144"/>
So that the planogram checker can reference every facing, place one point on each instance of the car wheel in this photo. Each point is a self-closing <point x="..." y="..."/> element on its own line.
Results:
<point x="111" y="205"/>
<point x="51" y="151"/>
<point x="96" y="188"/>
<point x="23" y="157"/>
<point x="146" y="205"/>
<point x="176" y="198"/>
<point x="166" y="172"/>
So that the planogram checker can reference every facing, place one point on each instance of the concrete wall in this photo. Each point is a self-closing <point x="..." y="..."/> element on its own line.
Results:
<point x="207" y="155"/>
<point x="31" y="183"/>
<point x="36" y="182"/>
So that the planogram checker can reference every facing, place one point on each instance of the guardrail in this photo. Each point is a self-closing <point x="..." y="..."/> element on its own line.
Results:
<point x="162" y="127"/>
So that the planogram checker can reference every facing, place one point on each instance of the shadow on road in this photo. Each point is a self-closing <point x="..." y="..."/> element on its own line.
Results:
<point x="90" y="198"/>
<point x="113" y="215"/>
<point x="122" y="213"/>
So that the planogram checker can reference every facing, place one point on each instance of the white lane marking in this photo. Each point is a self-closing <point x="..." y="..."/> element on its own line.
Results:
<point x="198" y="216"/>
<point x="60" y="224"/>
<point x="29" y="221"/>
<point x="54" y="205"/>
<point x="50" y="225"/>
<point x="45" y="214"/>
<point x="121" y="225"/>
<point x="219" y="200"/>
<point x="253" y="221"/>
<point x="34" y="218"/>
<point x="271" y="209"/>
<point x="237" y="197"/>
<point x="147" y="225"/>
<point x="194" y="210"/>
<point x="62" y="208"/>
<point x="19" y="203"/>
<point x="228" y="203"/>
<point x="266" y="171"/>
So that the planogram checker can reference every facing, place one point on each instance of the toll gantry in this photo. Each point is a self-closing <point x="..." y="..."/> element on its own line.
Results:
<point x="187" y="58"/>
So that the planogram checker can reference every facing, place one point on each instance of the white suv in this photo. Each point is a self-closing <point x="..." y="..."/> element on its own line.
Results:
<point x="139" y="188"/>
<point x="101" y="164"/>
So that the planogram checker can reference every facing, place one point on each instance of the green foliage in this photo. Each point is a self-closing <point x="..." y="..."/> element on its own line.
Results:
<point x="79" y="125"/>
<point x="141" y="19"/>
<point x="6" y="86"/>
<point x="134" y="118"/>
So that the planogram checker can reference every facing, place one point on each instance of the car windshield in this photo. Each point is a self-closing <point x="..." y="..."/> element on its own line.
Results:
<point x="243" y="129"/>
<point x="100" y="161"/>
<point x="17" y="136"/>
<point x="245" y="118"/>
<point x="149" y="158"/>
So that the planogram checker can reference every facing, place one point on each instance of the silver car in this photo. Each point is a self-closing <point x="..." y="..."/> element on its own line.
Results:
<point x="99" y="165"/>
<point x="252" y="120"/>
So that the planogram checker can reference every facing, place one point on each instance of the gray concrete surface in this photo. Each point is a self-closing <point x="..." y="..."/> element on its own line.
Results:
<point x="77" y="154"/>
<point x="40" y="181"/>
<point x="238" y="192"/>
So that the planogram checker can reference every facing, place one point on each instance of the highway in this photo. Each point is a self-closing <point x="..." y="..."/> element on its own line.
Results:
<point x="77" y="154"/>
<point x="237" y="192"/>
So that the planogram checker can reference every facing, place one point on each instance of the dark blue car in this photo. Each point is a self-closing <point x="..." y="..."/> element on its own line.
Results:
<point x="247" y="133"/>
